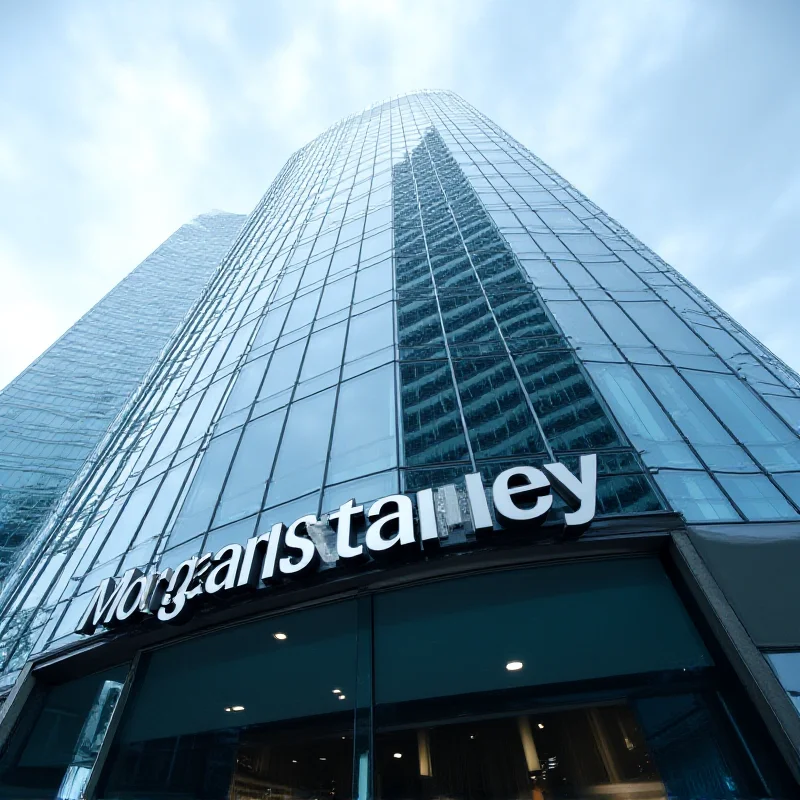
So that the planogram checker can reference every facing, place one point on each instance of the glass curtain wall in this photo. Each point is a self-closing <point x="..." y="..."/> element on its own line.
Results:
<point x="415" y="297"/>
<point x="568" y="681"/>
<point x="55" y="412"/>
<point x="713" y="413"/>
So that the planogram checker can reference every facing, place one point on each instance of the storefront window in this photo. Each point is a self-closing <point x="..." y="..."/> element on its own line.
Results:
<point x="556" y="682"/>
<point x="256" y="711"/>
<point x="586" y="680"/>
<point x="58" y="737"/>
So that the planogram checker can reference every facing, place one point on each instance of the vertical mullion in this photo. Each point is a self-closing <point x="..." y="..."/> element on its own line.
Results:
<point x="363" y="721"/>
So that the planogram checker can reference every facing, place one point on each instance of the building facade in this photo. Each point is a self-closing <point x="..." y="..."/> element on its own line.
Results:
<point x="440" y="490"/>
<point x="55" y="412"/>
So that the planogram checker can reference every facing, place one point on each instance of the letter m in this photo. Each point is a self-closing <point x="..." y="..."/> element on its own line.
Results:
<point x="104" y="603"/>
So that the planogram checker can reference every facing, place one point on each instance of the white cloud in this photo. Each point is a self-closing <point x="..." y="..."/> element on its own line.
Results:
<point x="122" y="121"/>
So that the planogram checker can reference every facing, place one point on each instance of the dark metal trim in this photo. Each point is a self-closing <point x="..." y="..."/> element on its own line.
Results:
<point x="759" y="681"/>
<point x="15" y="702"/>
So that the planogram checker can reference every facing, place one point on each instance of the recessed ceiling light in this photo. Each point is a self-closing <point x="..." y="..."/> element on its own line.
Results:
<point x="341" y="697"/>
<point x="279" y="636"/>
<point x="541" y="726"/>
<point x="322" y="758"/>
<point x="337" y="691"/>
<point x="294" y="761"/>
<point x="228" y="708"/>
<point x="398" y="755"/>
<point x="237" y="708"/>
<point x="513" y="666"/>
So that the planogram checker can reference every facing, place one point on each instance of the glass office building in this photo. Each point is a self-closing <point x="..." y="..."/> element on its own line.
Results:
<point x="55" y="413"/>
<point x="511" y="446"/>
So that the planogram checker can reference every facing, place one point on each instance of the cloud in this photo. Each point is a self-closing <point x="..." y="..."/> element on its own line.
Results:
<point x="124" y="120"/>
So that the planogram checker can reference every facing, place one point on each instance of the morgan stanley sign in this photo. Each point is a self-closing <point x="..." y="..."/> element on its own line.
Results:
<point x="522" y="496"/>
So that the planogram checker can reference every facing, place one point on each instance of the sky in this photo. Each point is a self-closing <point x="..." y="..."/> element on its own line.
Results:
<point x="121" y="121"/>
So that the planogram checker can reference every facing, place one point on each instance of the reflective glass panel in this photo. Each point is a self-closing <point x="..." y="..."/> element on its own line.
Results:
<point x="242" y="714"/>
<point x="56" y="742"/>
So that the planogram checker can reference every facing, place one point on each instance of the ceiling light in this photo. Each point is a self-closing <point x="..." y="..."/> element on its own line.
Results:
<point x="228" y="708"/>
<point x="279" y="636"/>
<point x="541" y="726"/>
<point x="398" y="755"/>
<point x="337" y="691"/>
<point x="294" y="761"/>
<point x="322" y="758"/>
<point x="237" y="708"/>
<point x="341" y="697"/>
<point x="513" y="666"/>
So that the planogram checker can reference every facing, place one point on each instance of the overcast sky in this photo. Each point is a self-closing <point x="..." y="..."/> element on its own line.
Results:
<point x="121" y="121"/>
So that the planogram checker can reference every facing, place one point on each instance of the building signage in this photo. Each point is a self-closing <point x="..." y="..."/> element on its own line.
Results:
<point x="522" y="497"/>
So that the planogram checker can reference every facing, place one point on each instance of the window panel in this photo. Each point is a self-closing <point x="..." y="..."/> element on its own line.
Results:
<point x="370" y="331"/>
<point x="618" y="326"/>
<point x="158" y="515"/>
<point x="577" y="323"/>
<point x="303" y="309"/>
<point x="365" y="435"/>
<point x="324" y="351"/>
<point x="665" y="328"/>
<point x="757" y="497"/>
<point x="696" y="496"/>
<point x="715" y="445"/>
<point x="373" y="280"/>
<point x="432" y="429"/>
<point x="206" y="410"/>
<point x="790" y="483"/>
<point x="244" y="488"/>
<point x="245" y="386"/>
<point x="337" y="295"/>
<point x="499" y="422"/>
<point x="283" y="369"/>
<point x="271" y="325"/>
<point x="647" y="426"/>
<point x="197" y="508"/>
<point x="568" y="411"/>
<point x="304" y="448"/>
<point x="751" y="422"/>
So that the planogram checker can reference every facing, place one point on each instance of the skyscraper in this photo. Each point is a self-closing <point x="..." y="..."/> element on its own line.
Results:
<point x="464" y="462"/>
<point x="56" y="411"/>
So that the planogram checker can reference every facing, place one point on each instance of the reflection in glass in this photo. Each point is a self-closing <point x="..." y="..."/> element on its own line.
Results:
<point x="498" y="419"/>
<point x="432" y="427"/>
<point x="757" y="497"/>
<point x="456" y="273"/>
<point x="511" y="686"/>
<point x="641" y="418"/>
<point x="195" y="514"/>
<point x="304" y="448"/>
<point x="753" y="424"/>
<point x="699" y="425"/>
<point x="696" y="495"/>
<point x="57" y="740"/>
<point x="247" y="480"/>
<point x="364" y="438"/>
